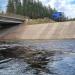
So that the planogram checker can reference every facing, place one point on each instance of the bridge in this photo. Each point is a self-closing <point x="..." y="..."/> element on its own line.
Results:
<point x="4" y="19"/>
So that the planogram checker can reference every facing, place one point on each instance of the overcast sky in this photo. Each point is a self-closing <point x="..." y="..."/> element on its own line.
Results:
<point x="66" y="6"/>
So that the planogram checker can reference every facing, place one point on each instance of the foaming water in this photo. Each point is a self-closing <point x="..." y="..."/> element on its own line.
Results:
<point x="49" y="57"/>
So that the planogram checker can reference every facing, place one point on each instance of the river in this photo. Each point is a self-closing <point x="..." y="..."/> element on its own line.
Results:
<point x="61" y="62"/>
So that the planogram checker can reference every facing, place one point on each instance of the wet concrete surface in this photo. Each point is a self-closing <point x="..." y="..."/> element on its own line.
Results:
<point x="35" y="57"/>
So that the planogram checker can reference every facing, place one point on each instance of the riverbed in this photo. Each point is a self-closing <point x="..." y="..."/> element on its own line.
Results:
<point x="53" y="57"/>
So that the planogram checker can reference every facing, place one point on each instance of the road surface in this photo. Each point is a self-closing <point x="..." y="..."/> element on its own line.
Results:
<point x="58" y="30"/>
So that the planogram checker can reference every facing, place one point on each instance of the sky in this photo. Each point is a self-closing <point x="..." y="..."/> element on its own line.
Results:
<point x="66" y="6"/>
<point x="3" y="4"/>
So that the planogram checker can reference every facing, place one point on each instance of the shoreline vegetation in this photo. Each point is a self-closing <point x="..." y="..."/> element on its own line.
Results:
<point x="38" y="21"/>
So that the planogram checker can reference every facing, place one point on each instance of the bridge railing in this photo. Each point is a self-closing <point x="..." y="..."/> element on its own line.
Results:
<point x="17" y="17"/>
<point x="11" y="18"/>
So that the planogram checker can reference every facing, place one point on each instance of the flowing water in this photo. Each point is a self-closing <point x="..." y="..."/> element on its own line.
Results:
<point x="61" y="55"/>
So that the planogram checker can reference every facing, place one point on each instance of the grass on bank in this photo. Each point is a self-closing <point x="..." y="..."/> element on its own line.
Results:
<point x="38" y="21"/>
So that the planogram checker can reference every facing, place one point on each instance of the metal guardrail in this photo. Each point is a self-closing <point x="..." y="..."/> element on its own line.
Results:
<point x="11" y="18"/>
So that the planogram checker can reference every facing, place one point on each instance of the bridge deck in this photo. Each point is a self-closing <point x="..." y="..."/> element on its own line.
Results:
<point x="11" y="19"/>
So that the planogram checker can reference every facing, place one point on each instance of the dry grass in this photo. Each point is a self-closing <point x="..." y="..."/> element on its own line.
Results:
<point x="38" y="21"/>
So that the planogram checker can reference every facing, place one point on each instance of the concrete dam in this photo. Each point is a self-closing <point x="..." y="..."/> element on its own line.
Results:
<point x="57" y="30"/>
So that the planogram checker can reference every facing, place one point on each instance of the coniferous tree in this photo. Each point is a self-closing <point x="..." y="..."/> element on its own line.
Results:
<point x="18" y="7"/>
<point x="30" y="8"/>
<point x="10" y="7"/>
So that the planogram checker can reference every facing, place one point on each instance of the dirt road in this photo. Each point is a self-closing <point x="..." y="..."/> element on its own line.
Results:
<point x="58" y="30"/>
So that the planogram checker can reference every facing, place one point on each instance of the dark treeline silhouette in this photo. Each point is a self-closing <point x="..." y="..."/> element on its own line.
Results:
<point x="71" y="19"/>
<point x="30" y="8"/>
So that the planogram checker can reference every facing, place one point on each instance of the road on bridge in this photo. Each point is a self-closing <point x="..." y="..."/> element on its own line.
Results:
<point x="58" y="30"/>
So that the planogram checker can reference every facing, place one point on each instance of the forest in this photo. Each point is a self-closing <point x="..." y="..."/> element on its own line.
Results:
<point x="30" y="8"/>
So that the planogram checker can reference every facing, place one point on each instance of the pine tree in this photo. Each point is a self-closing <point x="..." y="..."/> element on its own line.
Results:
<point x="30" y="8"/>
<point x="10" y="7"/>
<point x="18" y="7"/>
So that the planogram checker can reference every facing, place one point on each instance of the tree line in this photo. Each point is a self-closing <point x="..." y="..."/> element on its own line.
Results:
<point x="29" y="8"/>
